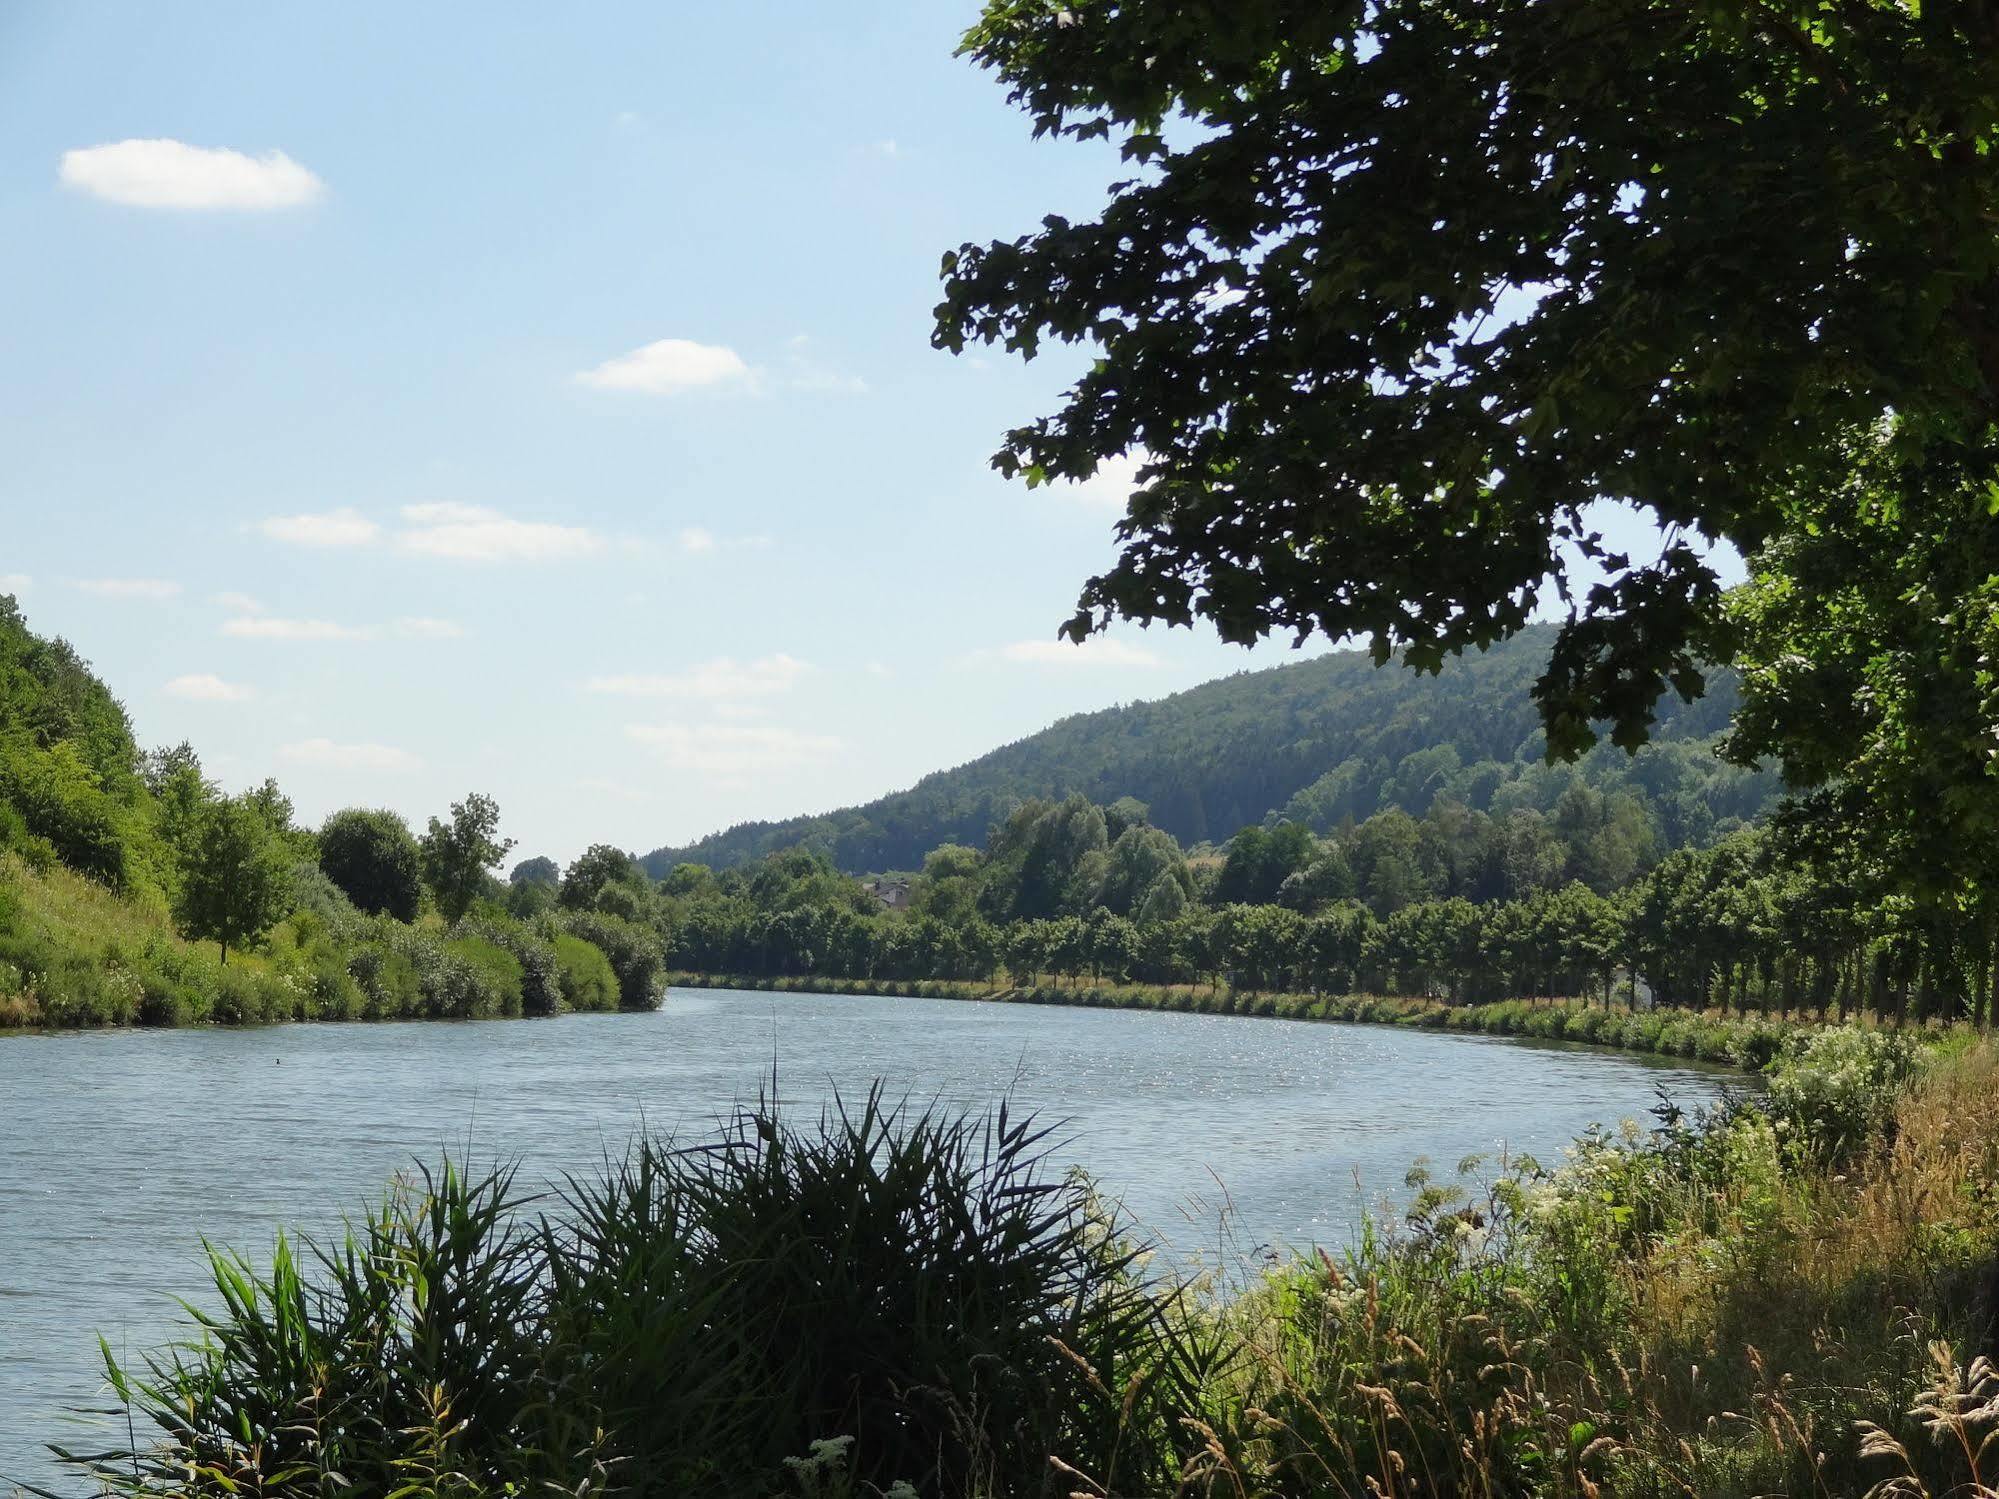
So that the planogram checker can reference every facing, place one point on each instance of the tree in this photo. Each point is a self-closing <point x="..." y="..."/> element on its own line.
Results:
<point x="370" y="854"/>
<point x="540" y="870"/>
<point x="456" y="855"/>
<point x="596" y="868"/>
<point x="235" y="874"/>
<point x="181" y="793"/>
<point x="1750" y="232"/>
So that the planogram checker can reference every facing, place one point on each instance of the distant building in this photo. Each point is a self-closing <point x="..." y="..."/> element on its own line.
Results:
<point x="892" y="893"/>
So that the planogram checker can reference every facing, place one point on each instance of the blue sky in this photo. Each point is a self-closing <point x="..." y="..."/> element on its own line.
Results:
<point x="406" y="400"/>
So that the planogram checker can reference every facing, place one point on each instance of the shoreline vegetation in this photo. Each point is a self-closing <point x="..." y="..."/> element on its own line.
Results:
<point x="1792" y="1293"/>
<point x="1746" y="1042"/>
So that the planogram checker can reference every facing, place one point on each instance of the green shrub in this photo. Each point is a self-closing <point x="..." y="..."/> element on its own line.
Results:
<point x="1834" y="1090"/>
<point x="636" y="954"/>
<point x="584" y="974"/>
<point x="479" y="979"/>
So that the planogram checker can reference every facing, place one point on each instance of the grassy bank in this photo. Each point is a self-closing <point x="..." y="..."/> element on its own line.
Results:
<point x="75" y="954"/>
<point x="1746" y="1041"/>
<point x="1791" y="1296"/>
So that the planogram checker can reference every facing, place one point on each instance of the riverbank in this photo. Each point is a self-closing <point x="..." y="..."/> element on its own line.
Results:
<point x="1790" y="1294"/>
<point x="1747" y="1042"/>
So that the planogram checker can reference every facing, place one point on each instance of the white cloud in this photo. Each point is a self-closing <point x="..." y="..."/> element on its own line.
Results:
<point x="1096" y="652"/>
<point x="345" y="527"/>
<point x="879" y="669"/>
<point x="667" y="367"/>
<point x="723" y="677"/>
<point x="238" y="603"/>
<point x="263" y="627"/>
<point x="173" y="174"/>
<point x="417" y="627"/>
<point x="730" y="749"/>
<point x="130" y="588"/>
<point x="699" y="540"/>
<point x="1110" y="487"/>
<point x="473" y="533"/>
<point x="324" y="754"/>
<point x="15" y="582"/>
<point x="205" y="687"/>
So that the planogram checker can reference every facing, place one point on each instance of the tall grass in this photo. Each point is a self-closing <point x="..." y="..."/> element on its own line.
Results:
<point x="924" y="1289"/>
<point x="1795" y="1293"/>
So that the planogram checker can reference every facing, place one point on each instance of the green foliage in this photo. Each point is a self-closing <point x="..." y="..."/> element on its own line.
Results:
<point x="1316" y="742"/>
<point x="964" y="1322"/>
<point x="922" y="1287"/>
<point x="1748" y="234"/>
<point x="584" y="974"/>
<point x="458" y="854"/>
<point x="492" y="983"/>
<point x="373" y="858"/>
<point x="594" y="871"/>
<point x="540" y="870"/>
<point x="635" y="953"/>
<point x="1835" y="1091"/>
<point x="235" y="874"/>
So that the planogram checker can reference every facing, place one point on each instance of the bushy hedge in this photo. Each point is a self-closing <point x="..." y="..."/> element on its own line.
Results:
<point x="584" y="974"/>
<point x="637" y="955"/>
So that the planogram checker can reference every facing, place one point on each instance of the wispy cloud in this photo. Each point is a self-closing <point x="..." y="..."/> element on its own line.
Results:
<point x="1098" y="652"/>
<point x="723" y="677"/>
<point x="237" y="603"/>
<point x="205" y="687"/>
<point x="806" y="373"/>
<point x="410" y="627"/>
<point x="15" y="582"/>
<point x="264" y="627"/>
<point x="473" y="533"/>
<point x="173" y="174"/>
<point x="130" y="588"/>
<point x="345" y="527"/>
<point x="698" y="540"/>
<point x="324" y="754"/>
<point x="669" y="366"/>
<point x="420" y="628"/>
<point x="732" y="749"/>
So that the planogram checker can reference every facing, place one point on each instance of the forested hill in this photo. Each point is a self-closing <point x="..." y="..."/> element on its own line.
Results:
<point x="1316" y="741"/>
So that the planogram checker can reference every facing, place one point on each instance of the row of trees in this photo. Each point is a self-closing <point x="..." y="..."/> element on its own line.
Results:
<point x="361" y="916"/>
<point x="1742" y="924"/>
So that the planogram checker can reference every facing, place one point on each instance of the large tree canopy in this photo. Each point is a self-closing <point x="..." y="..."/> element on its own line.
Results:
<point x="1396" y="290"/>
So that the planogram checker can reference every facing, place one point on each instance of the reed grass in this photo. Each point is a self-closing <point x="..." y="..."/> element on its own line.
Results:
<point x="1796" y="1292"/>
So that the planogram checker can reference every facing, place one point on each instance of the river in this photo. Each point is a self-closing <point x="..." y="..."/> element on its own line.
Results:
<point x="120" y="1151"/>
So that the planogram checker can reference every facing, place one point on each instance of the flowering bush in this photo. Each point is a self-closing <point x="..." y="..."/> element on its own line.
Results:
<point x="1833" y="1091"/>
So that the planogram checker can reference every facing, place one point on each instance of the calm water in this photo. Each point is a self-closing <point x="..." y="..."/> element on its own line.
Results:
<point x="119" y="1151"/>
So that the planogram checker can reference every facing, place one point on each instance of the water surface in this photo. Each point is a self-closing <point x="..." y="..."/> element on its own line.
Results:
<point x="120" y="1151"/>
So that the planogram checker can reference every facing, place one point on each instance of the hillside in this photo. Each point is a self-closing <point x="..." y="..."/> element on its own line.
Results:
<point x="1317" y="741"/>
<point x="132" y="889"/>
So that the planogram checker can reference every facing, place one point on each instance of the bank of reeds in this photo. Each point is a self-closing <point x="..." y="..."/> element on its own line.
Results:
<point x="1747" y="1041"/>
<point x="1793" y="1294"/>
